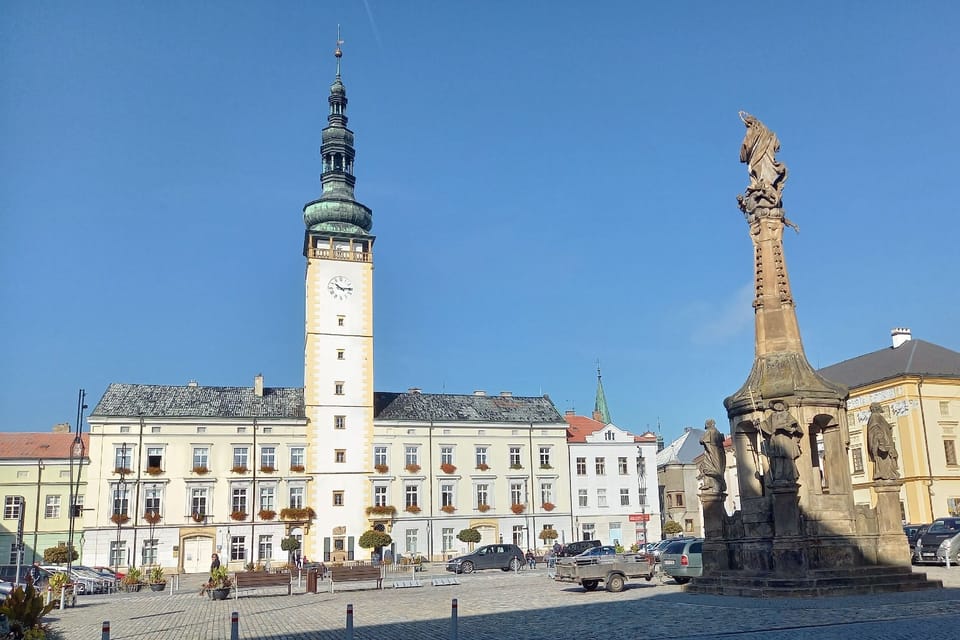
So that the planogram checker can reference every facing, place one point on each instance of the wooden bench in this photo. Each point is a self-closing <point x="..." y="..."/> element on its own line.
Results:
<point x="256" y="579"/>
<point x="356" y="573"/>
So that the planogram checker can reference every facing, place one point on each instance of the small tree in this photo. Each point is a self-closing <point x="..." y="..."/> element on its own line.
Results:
<point x="672" y="527"/>
<point x="548" y="534"/>
<point x="374" y="539"/>
<point x="59" y="554"/>
<point x="290" y="544"/>
<point x="470" y="536"/>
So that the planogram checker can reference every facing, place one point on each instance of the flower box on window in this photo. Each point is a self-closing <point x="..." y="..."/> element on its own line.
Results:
<point x="119" y="518"/>
<point x="448" y="508"/>
<point x="267" y="468"/>
<point x="198" y="517"/>
<point x="546" y="466"/>
<point x="381" y="510"/>
<point x="516" y="465"/>
<point x="239" y="468"/>
<point x="412" y="508"/>
<point x="297" y="468"/>
<point x="266" y="514"/>
<point x="239" y="515"/>
<point x="201" y="470"/>
<point x="483" y="508"/>
<point x="549" y="506"/>
<point x="121" y="471"/>
<point x="291" y="513"/>
<point x="152" y="517"/>
<point x="154" y="471"/>
<point x="446" y="467"/>
<point x="381" y="468"/>
<point x="483" y="466"/>
<point x="412" y="468"/>
<point x="517" y="508"/>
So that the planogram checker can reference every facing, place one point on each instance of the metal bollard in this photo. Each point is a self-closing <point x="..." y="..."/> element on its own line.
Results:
<point x="105" y="631"/>
<point x="453" y="620"/>
<point x="235" y="626"/>
<point x="349" y="622"/>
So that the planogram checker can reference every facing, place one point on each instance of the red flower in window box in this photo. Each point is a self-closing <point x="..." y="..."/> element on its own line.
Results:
<point x="549" y="506"/>
<point x="381" y="468"/>
<point x="412" y="468"/>
<point x="448" y="508"/>
<point x="517" y="508"/>
<point x="412" y="508"/>
<point x="483" y="466"/>
<point x="446" y="467"/>
<point x="483" y="508"/>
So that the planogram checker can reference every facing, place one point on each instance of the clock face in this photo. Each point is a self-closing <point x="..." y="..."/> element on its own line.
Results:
<point x="340" y="287"/>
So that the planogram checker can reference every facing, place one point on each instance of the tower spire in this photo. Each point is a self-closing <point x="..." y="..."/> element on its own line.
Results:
<point x="601" y="412"/>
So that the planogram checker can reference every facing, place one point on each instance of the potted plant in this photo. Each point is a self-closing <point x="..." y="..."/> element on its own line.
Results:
<point x="293" y="513"/>
<point x="201" y="470"/>
<point x="219" y="584"/>
<point x="448" y="508"/>
<point x="483" y="466"/>
<point x="132" y="581"/>
<point x="156" y="579"/>
<point x="412" y="508"/>
<point x="516" y="465"/>
<point x="483" y="508"/>
<point x="198" y="517"/>
<point x="548" y="506"/>
<point x="239" y="516"/>
<point x="56" y="583"/>
<point x="121" y="471"/>
<point x="154" y="471"/>
<point x="267" y="468"/>
<point x="297" y="468"/>
<point x="267" y="514"/>
<point x="548" y="534"/>
<point x="239" y="468"/>
<point x="446" y="467"/>
<point x="152" y="517"/>
<point x="381" y="468"/>
<point x="119" y="518"/>
<point x="412" y="468"/>
<point x="546" y="465"/>
<point x="382" y="510"/>
<point x="517" y="508"/>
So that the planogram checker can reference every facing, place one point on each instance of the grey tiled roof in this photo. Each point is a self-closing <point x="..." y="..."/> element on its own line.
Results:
<point x="913" y="357"/>
<point x="683" y="450"/>
<point x="424" y="407"/>
<point x="169" y="401"/>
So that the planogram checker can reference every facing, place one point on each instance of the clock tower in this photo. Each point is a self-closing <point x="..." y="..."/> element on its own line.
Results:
<point x="338" y="346"/>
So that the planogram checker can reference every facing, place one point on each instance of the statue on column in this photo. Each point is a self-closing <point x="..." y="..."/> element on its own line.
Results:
<point x="767" y="174"/>
<point x="880" y="445"/>
<point x="781" y="445"/>
<point x="714" y="464"/>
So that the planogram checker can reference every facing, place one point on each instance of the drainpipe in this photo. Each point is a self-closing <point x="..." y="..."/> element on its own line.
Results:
<point x="926" y="446"/>
<point x="254" y="498"/>
<point x="136" y="495"/>
<point x="430" y="480"/>
<point x="36" y="517"/>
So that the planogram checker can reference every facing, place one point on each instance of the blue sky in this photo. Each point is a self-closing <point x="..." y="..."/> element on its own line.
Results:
<point x="552" y="183"/>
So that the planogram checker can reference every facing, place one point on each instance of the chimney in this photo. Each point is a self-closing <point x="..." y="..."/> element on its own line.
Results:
<point x="899" y="336"/>
<point x="506" y="394"/>
<point x="192" y="383"/>
<point x="570" y="412"/>
<point x="62" y="427"/>
<point x="415" y="390"/>
<point x="479" y="392"/>
<point x="258" y="385"/>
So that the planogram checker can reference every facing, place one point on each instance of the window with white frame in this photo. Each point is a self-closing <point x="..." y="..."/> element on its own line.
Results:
<point x="517" y="535"/>
<point x="268" y="457"/>
<point x="446" y="455"/>
<point x="380" y="456"/>
<point x="201" y="457"/>
<point x="380" y="495"/>
<point x="624" y="497"/>
<point x="339" y="422"/>
<point x="240" y="457"/>
<point x="268" y="501"/>
<point x="483" y="494"/>
<point x="546" y="493"/>
<point x="238" y="501"/>
<point x="198" y="501"/>
<point x="516" y="493"/>
<point x="589" y="531"/>
<point x="582" y="497"/>
<point x="155" y="457"/>
<point x="118" y="553"/>
<point x="446" y="538"/>
<point x="622" y="466"/>
<point x="545" y="458"/>
<point x="148" y="554"/>
<point x="411" y="541"/>
<point x="446" y="494"/>
<point x="296" y="497"/>
<point x="601" y="465"/>
<point x="238" y="548"/>
<point x="481" y="455"/>
<point x="121" y="500"/>
<point x="297" y="456"/>
<point x="601" y="497"/>
<point x="152" y="499"/>
<point x="411" y="455"/>
<point x="123" y="459"/>
<point x="411" y="494"/>
<point x="264" y="547"/>
<point x="581" y="466"/>
<point x="515" y="458"/>
<point x="52" y="507"/>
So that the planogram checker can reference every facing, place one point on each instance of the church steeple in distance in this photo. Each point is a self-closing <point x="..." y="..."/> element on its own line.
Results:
<point x="601" y="412"/>
<point x="337" y="211"/>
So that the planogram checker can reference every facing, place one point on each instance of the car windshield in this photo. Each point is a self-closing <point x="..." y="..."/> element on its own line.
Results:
<point x="944" y="526"/>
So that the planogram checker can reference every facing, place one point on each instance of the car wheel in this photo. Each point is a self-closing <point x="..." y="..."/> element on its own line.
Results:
<point x="589" y="585"/>
<point x="615" y="583"/>
<point x="680" y="580"/>
<point x="81" y="588"/>
<point x="466" y="567"/>
<point x="514" y="564"/>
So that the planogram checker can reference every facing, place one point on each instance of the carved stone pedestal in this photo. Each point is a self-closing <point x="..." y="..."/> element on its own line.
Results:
<point x="715" y="556"/>
<point x="892" y="547"/>
<point x="786" y="511"/>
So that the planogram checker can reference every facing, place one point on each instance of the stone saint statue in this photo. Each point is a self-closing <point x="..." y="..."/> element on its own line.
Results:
<point x="781" y="445"/>
<point x="767" y="175"/>
<point x="880" y="446"/>
<point x="714" y="464"/>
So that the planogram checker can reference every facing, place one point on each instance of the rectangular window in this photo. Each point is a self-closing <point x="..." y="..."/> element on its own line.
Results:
<point x="201" y="456"/>
<point x="339" y="456"/>
<point x="581" y="466"/>
<point x="155" y="457"/>
<point x="446" y="455"/>
<point x="148" y="554"/>
<point x="688" y="525"/>
<point x="546" y="493"/>
<point x="411" y="455"/>
<point x="340" y="354"/>
<point x="118" y="553"/>
<point x="268" y="499"/>
<point x="950" y="452"/>
<point x="296" y="497"/>
<point x="545" y="458"/>
<point x="517" y="535"/>
<point x="481" y="457"/>
<point x="340" y="320"/>
<point x="265" y="547"/>
<point x="622" y="466"/>
<point x="643" y="496"/>
<point x="589" y="531"/>
<point x="624" y="497"/>
<point x="678" y="499"/>
<point x="601" y="465"/>
<point x="953" y="506"/>
<point x="338" y="388"/>
<point x="944" y="407"/>
<point x="52" y="507"/>
<point x="446" y="494"/>
<point x="446" y="539"/>
<point x="121" y="501"/>
<point x="601" y="497"/>
<point x="582" y="499"/>
<point x="857" y="454"/>
<point x="12" y="508"/>
<point x="483" y="495"/>
<point x="411" y="495"/>
<point x="411" y="541"/>
<point x="338" y="498"/>
<point x="339" y="422"/>
<point x="240" y="457"/>
<point x="198" y="502"/>
<point x="515" y="458"/>
<point x="151" y="499"/>
<point x="609" y="435"/>
<point x="380" y="495"/>
<point x="516" y="493"/>
<point x="122" y="459"/>
<point x="238" y="501"/>
<point x="268" y="458"/>
<point x="297" y="456"/>
<point x="238" y="548"/>
<point x="379" y="456"/>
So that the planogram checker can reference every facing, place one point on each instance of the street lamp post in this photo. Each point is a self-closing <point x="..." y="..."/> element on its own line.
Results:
<point x="76" y="452"/>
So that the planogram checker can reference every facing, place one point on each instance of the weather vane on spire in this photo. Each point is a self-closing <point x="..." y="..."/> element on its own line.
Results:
<point x="338" y="52"/>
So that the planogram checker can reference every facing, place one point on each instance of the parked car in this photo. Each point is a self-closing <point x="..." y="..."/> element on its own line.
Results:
<point x="105" y="570"/>
<point x="683" y="559"/>
<point x="490" y="556"/>
<point x="82" y="583"/>
<point x="658" y="547"/>
<point x="949" y="549"/>
<point x="929" y="543"/>
<point x="913" y="532"/>
<point x="5" y="588"/>
<point x="577" y="547"/>
<point x="596" y="552"/>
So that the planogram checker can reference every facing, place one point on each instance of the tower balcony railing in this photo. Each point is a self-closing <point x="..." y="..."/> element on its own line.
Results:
<point x="349" y="256"/>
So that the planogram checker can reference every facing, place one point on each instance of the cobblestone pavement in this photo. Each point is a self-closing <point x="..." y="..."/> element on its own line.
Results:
<point x="527" y="605"/>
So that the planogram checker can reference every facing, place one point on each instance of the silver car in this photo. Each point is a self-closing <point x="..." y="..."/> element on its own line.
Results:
<point x="949" y="550"/>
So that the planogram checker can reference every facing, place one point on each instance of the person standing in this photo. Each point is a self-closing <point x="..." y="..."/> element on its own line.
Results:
<point x="214" y="563"/>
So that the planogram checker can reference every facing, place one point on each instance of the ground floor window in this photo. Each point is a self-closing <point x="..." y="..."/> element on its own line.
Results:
<point x="238" y="548"/>
<point x="589" y="531"/>
<point x="411" y="541"/>
<point x="265" y="547"/>
<point x="518" y="535"/>
<point x="149" y="554"/>
<point x="447" y="539"/>
<point x="118" y="553"/>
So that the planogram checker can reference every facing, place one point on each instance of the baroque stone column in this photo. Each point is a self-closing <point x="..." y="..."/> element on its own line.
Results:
<point x="891" y="543"/>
